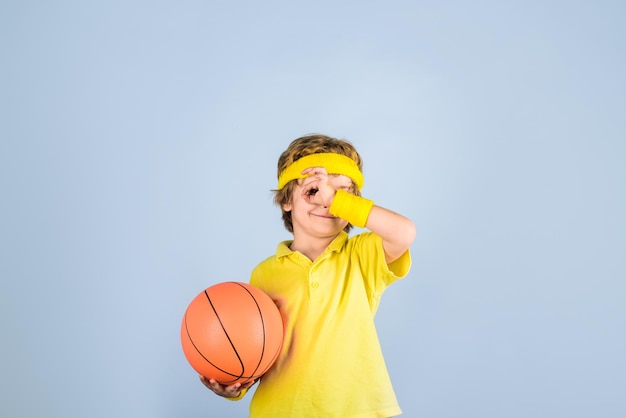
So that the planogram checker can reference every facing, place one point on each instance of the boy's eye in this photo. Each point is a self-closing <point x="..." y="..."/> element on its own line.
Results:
<point x="311" y="192"/>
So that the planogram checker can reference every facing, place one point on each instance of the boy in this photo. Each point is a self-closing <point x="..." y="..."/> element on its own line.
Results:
<point x="327" y="287"/>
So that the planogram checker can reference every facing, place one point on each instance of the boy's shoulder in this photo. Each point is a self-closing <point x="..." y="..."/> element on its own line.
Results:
<point x="363" y="239"/>
<point x="282" y="250"/>
<point x="341" y="243"/>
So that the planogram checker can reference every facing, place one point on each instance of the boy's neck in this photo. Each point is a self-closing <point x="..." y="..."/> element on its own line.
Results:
<point x="311" y="247"/>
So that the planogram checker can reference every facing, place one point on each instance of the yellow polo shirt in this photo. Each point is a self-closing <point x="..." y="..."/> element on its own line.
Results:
<point x="331" y="364"/>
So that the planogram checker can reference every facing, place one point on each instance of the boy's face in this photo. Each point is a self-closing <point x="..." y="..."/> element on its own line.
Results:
<point x="314" y="220"/>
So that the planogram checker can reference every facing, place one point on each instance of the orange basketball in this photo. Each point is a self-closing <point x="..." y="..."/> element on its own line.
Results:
<point x="232" y="332"/>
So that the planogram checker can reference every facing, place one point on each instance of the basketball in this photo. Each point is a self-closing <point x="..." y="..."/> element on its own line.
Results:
<point x="232" y="332"/>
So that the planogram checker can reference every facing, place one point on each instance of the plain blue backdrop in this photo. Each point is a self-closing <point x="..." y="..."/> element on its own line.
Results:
<point x="139" y="144"/>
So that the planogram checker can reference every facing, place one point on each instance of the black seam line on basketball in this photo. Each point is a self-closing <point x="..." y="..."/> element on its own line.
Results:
<point x="202" y="355"/>
<point x="243" y="367"/>
<point x="262" y="323"/>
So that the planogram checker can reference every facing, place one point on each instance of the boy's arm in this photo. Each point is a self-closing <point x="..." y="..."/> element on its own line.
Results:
<point x="397" y="231"/>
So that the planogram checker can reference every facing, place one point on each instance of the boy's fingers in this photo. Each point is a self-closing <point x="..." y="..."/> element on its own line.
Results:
<point x="314" y="170"/>
<point x="233" y="390"/>
<point x="205" y="381"/>
<point x="248" y="384"/>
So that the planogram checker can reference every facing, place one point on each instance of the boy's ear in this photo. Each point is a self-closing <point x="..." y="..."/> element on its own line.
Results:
<point x="287" y="207"/>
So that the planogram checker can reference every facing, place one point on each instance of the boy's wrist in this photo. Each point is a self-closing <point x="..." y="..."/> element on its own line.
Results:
<point x="352" y="208"/>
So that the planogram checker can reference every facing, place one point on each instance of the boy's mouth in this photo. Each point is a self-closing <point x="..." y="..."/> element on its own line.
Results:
<point x="324" y="215"/>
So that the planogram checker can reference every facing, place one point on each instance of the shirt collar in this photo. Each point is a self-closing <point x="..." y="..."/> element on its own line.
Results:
<point x="335" y="245"/>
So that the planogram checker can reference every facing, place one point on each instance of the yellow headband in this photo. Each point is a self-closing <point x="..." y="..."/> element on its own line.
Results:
<point x="333" y="163"/>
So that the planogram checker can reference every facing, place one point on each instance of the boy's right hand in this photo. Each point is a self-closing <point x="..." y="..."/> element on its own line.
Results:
<point x="231" y="391"/>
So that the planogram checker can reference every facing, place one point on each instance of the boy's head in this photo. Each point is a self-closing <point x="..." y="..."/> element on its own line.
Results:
<point x="307" y="145"/>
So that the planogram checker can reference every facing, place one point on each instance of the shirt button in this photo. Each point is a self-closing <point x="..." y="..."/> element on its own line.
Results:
<point x="315" y="285"/>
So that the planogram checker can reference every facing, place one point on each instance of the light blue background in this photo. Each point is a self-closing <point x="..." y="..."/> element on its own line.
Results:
<point x="139" y="143"/>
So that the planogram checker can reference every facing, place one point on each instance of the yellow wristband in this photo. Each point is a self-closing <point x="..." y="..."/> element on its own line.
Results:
<point x="354" y="209"/>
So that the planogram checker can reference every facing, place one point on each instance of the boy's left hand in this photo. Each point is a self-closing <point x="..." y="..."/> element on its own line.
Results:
<point x="230" y="391"/>
<point x="319" y="187"/>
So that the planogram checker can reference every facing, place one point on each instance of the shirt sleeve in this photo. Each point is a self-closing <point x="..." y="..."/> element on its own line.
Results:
<point x="377" y="274"/>
<point x="400" y="267"/>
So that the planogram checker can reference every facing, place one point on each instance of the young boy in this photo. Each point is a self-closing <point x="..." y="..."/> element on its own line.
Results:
<point x="327" y="287"/>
